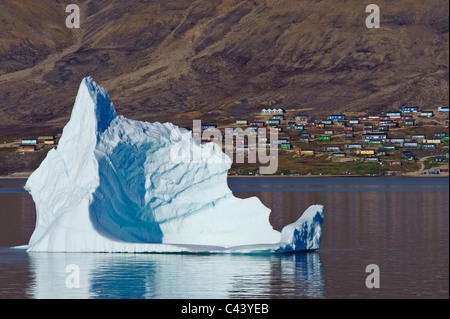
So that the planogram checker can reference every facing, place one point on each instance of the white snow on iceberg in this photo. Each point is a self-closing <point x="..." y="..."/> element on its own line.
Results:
<point x="111" y="186"/>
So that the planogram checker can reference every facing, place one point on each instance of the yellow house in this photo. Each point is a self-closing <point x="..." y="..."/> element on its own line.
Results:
<point x="433" y="141"/>
<point x="46" y="137"/>
<point x="365" y="152"/>
<point x="307" y="152"/>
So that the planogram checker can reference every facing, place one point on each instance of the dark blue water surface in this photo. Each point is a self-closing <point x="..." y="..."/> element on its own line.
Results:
<point x="399" y="224"/>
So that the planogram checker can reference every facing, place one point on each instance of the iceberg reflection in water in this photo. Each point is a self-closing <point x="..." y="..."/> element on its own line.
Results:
<point x="177" y="276"/>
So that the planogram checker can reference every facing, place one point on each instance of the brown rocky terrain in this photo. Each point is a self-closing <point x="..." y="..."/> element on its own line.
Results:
<point x="220" y="59"/>
<point x="175" y="60"/>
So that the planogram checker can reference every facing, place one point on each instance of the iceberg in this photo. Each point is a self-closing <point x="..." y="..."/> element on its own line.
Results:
<point x="119" y="185"/>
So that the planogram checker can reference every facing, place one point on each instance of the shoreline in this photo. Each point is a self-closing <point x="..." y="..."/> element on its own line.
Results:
<point x="26" y="175"/>
<point x="340" y="176"/>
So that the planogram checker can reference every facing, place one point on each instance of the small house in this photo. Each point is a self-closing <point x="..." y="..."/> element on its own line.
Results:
<point x="301" y="118"/>
<point x="385" y="122"/>
<point x="429" y="146"/>
<point x="375" y="136"/>
<point x="397" y="140"/>
<point x="272" y="111"/>
<point x="307" y="152"/>
<point x="365" y="152"/>
<point x="332" y="148"/>
<point x="305" y="136"/>
<point x="372" y="159"/>
<point x="273" y="121"/>
<point x="427" y="114"/>
<point x="394" y="114"/>
<point x="257" y="123"/>
<point x="46" y="137"/>
<point x="29" y="141"/>
<point x="336" y="117"/>
<point x="262" y="139"/>
<point x="27" y="148"/>
<point x="433" y="141"/>
<point x="418" y="137"/>
<point x="411" y="144"/>
<point x="339" y="154"/>
<point x="389" y="147"/>
<point x="211" y="127"/>
<point x="409" y="109"/>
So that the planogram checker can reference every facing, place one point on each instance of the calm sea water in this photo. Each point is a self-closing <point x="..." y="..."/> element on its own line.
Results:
<point x="399" y="224"/>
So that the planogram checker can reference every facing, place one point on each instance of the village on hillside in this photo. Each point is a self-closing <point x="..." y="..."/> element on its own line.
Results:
<point x="408" y="141"/>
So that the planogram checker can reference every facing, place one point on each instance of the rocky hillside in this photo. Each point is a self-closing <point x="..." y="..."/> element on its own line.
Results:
<point x="217" y="60"/>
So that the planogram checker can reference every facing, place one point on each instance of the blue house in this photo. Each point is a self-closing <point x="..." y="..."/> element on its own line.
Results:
<point x="336" y="117"/>
<point x="409" y="109"/>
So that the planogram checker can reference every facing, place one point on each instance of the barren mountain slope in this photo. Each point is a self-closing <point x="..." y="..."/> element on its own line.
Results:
<point x="218" y="60"/>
